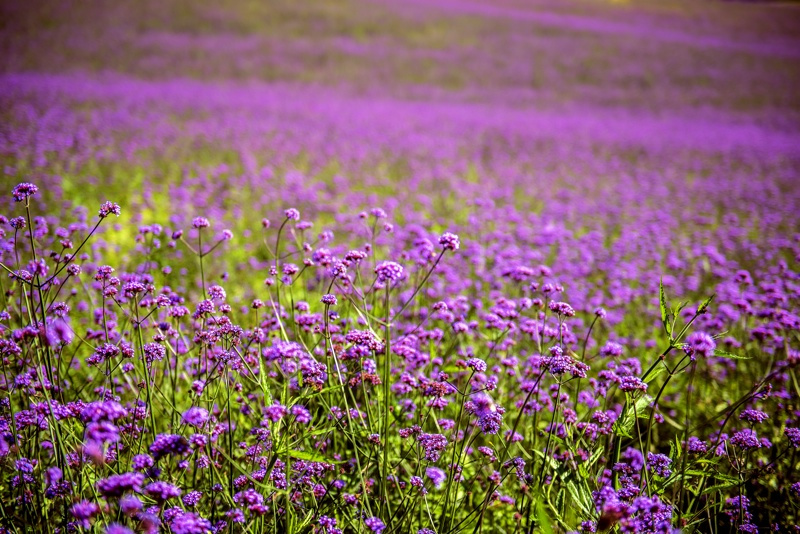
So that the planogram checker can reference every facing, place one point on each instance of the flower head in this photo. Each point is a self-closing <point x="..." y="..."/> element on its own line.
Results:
<point x="389" y="271"/>
<point x="107" y="208"/>
<point x="449" y="241"/>
<point x="200" y="222"/>
<point x="23" y="191"/>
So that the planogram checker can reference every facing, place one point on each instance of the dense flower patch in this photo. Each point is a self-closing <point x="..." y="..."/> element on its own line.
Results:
<point x="467" y="272"/>
<point x="358" y="393"/>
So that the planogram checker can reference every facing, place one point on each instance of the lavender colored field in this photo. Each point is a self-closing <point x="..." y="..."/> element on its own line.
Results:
<point x="429" y="267"/>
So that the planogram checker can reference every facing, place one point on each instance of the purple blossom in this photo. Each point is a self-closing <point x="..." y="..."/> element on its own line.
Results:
<point x="389" y="271"/>
<point x="109" y="208"/>
<point x="195" y="416"/>
<point x="449" y="241"/>
<point x="375" y="524"/>
<point x="23" y="191"/>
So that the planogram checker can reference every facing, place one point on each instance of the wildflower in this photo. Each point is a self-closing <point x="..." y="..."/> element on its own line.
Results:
<point x="292" y="214"/>
<point x="117" y="485"/>
<point x="154" y="352"/>
<point x="189" y="523"/>
<point x="699" y="343"/>
<point x="200" y="222"/>
<point x="477" y="365"/>
<point x="753" y="416"/>
<point x="696" y="446"/>
<point x="375" y="524"/>
<point x="116" y="528"/>
<point x="191" y="499"/>
<point x="436" y="476"/>
<point x="109" y="208"/>
<point x="195" y="416"/>
<point x="169" y="444"/>
<point x="217" y="293"/>
<point x="562" y="308"/>
<point x="449" y="241"/>
<point x="389" y="271"/>
<point x="658" y="464"/>
<point x="328" y="299"/>
<point x="748" y="439"/>
<point x="490" y="423"/>
<point x="632" y="383"/>
<point x="432" y="445"/>
<point x="162" y="491"/>
<point x="23" y="191"/>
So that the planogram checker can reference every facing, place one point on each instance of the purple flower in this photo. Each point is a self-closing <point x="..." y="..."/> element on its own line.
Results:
<point x="753" y="416"/>
<point x="191" y="499"/>
<point x="432" y="445"/>
<point x="389" y="271"/>
<point x="699" y="343"/>
<point x="162" y="491"/>
<point x="200" y="222"/>
<point x="189" y="523"/>
<point x="117" y="485"/>
<point x="130" y="505"/>
<point x="275" y="412"/>
<point x="154" y="352"/>
<point x="436" y="476"/>
<point x="658" y="464"/>
<point x="632" y="383"/>
<point x="141" y="462"/>
<point x="83" y="511"/>
<point x="696" y="446"/>
<point x="477" y="365"/>
<point x="116" y="528"/>
<point x="23" y="191"/>
<point x="169" y="444"/>
<point x="195" y="416"/>
<point x="375" y="524"/>
<point x="328" y="299"/>
<point x="108" y="208"/>
<point x="102" y="411"/>
<point x="292" y="214"/>
<point x="449" y="241"/>
<point x="748" y="439"/>
<point x="562" y="308"/>
<point x="490" y="422"/>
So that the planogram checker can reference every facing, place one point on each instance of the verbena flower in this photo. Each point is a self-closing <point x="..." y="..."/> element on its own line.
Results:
<point x="23" y="191"/>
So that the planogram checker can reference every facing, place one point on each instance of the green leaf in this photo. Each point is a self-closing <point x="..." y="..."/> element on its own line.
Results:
<point x="704" y="305"/>
<point x="662" y="300"/>
<point x="580" y="496"/>
<point x="626" y="420"/>
<point x="543" y="518"/>
<point x="719" y="487"/>
<point x="308" y="456"/>
<point x="723" y="354"/>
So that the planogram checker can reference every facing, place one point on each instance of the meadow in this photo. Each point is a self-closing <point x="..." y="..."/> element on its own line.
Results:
<point x="441" y="266"/>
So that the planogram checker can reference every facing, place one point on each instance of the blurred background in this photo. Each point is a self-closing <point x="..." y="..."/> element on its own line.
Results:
<point x="709" y="56"/>
<point x="539" y="96"/>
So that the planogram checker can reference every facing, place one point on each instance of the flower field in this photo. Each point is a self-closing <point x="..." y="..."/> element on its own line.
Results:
<point x="446" y="266"/>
